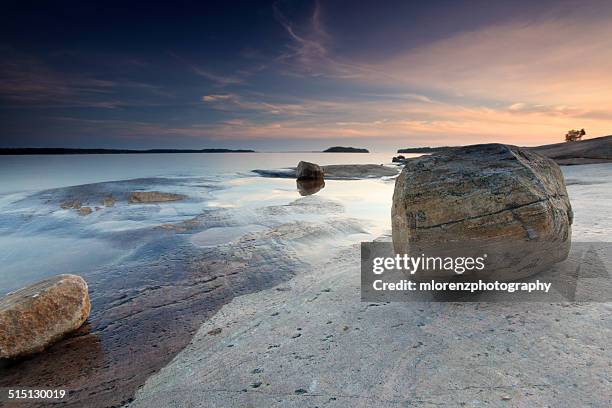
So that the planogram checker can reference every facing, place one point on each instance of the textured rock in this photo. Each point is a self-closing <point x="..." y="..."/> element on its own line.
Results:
<point x="596" y="150"/>
<point x="446" y="354"/>
<point x="307" y="170"/>
<point x="84" y="211"/>
<point x="66" y="205"/>
<point x="493" y="197"/>
<point x="154" y="197"/>
<point x="34" y="317"/>
<point x="108" y="201"/>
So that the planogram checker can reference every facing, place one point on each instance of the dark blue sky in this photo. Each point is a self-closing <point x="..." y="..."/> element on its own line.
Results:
<point x="301" y="74"/>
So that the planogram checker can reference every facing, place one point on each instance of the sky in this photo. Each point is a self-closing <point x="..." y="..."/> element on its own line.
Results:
<point x="302" y="75"/>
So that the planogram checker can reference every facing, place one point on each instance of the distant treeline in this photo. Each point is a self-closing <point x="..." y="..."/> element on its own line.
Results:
<point x="422" y="149"/>
<point x="52" y="150"/>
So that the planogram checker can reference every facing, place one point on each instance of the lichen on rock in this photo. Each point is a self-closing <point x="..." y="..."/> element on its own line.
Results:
<point x="484" y="196"/>
<point x="36" y="316"/>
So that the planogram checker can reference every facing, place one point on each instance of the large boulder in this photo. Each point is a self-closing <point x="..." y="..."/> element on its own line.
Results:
<point x="308" y="171"/>
<point x="490" y="198"/>
<point x="36" y="316"/>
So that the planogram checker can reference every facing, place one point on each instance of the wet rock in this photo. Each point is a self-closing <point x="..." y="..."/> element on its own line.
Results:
<point x="84" y="211"/>
<point x="308" y="171"/>
<point x="154" y="197"/>
<point x="485" y="198"/>
<point x="108" y="202"/>
<point x="66" y="205"/>
<point x="36" y="316"/>
<point x="398" y="159"/>
<point x="310" y="186"/>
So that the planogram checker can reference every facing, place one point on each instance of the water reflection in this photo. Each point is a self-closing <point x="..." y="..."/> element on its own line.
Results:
<point x="309" y="187"/>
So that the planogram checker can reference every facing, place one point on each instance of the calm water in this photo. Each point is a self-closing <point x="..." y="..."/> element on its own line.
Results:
<point x="157" y="271"/>
<point x="39" y="238"/>
<point x="31" y="173"/>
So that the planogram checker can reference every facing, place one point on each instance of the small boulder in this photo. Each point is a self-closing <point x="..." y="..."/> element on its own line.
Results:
<point x="84" y="211"/>
<point x="36" y="316"/>
<point x="308" y="171"/>
<point x="491" y="198"/>
<point x="66" y="205"/>
<point x="108" y="201"/>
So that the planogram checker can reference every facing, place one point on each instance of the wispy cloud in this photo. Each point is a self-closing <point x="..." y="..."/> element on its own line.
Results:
<point x="217" y="79"/>
<point x="518" y="81"/>
<point x="272" y="105"/>
<point x="309" y="52"/>
<point x="524" y="82"/>
<point x="548" y="62"/>
<point x="26" y="81"/>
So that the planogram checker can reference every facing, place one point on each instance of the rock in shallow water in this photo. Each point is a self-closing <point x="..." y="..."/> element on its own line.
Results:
<point x="497" y="197"/>
<point x="154" y="197"/>
<point x="34" y="317"/>
<point x="84" y="211"/>
<point x="308" y="171"/>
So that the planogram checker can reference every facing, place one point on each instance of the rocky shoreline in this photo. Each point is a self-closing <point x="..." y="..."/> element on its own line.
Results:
<point x="298" y="345"/>
<point x="588" y="151"/>
<point x="146" y="308"/>
<point x="136" y="328"/>
<point x="286" y="295"/>
<point x="312" y="341"/>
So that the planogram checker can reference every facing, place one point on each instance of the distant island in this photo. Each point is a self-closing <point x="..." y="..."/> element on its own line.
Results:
<point x="342" y="149"/>
<point x="422" y="149"/>
<point x="53" y="150"/>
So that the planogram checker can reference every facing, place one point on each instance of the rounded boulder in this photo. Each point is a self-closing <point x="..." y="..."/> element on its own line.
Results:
<point x="492" y="198"/>
<point x="33" y="318"/>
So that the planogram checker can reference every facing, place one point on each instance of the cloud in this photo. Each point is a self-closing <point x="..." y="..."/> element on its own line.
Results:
<point x="521" y="81"/>
<point x="27" y="81"/>
<point x="217" y="98"/>
<point x="562" y="61"/>
<point x="217" y="79"/>
<point x="309" y="53"/>
<point x="519" y="106"/>
<point x="266" y="104"/>
<point x="408" y="119"/>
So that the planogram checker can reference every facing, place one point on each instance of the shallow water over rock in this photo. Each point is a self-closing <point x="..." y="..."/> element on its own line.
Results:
<point x="157" y="271"/>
